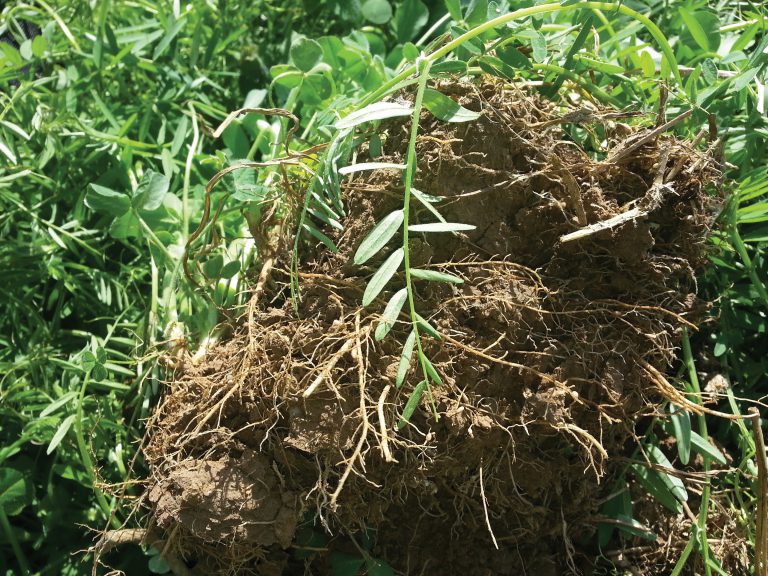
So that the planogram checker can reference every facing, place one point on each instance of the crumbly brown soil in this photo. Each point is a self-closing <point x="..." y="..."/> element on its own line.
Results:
<point x="551" y="353"/>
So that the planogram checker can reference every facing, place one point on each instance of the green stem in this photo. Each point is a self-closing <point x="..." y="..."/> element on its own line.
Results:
<point x="11" y="537"/>
<point x="684" y="556"/>
<point x="693" y="378"/>
<point x="741" y="248"/>
<point x="410" y="173"/>
<point x="188" y="170"/>
<point x="654" y="31"/>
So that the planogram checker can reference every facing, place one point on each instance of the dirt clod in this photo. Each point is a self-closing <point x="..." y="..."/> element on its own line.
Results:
<point x="544" y="356"/>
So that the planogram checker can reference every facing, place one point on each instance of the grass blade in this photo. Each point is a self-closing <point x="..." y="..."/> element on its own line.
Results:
<point x="673" y="483"/>
<point x="681" y="425"/>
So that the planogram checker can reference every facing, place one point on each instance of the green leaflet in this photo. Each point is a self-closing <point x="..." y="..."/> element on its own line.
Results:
<point x="413" y="402"/>
<point x="673" y="483"/>
<point x="434" y="276"/>
<point x="446" y="109"/>
<point x="405" y="359"/>
<point x="378" y="237"/>
<point x="430" y="369"/>
<point x="681" y="425"/>
<point x="391" y="312"/>
<point x="370" y="166"/>
<point x="382" y="276"/>
<point x="441" y="227"/>
<point x="376" y="111"/>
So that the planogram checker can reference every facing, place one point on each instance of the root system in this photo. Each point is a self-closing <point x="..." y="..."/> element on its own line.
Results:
<point x="578" y="278"/>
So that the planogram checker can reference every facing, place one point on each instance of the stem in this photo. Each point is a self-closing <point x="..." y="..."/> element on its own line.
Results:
<point x="17" y="551"/>
<point x="741" y="248"/>
<point x="410" y="173"/>
<point x="654" y="31"/>
<point x="693" y="378"/>
<point x="187" y="171"/>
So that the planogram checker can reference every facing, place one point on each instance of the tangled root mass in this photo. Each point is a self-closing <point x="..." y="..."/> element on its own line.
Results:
<point x="547" y="358"/>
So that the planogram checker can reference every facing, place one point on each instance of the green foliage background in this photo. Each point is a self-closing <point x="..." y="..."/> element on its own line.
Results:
<point x="105" y="148"/>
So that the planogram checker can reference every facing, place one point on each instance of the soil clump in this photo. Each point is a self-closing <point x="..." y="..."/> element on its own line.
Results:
<point x="552" y="350"/>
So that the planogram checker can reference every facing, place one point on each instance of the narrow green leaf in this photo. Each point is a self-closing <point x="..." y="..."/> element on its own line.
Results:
<point x="58" y="403"/>
<point x="635" y="528"/>
<point x="376" y="111"/>
<point x="681" y="424"/>
<point x="427" y="200"/>
<point x="382" y="276"/>
<point x="320" y="236"/>
<point x="60" y="433"/>
<point x="446" y="109"/>
<point x="705" y="448"/>
<point x="168" y="38"/>
<point x="405" y="358"/>
<point x="673" y="483"/>
<point x="599" y="65"/>
<point x="430" y="369"/>
<point x="412" y="404"/>
<point x="695" y="28"/>
<point x="435" y="276"/>
<point x="6" y="150"/>
<point x="378" y="237"/>
<point x="391" y="312"/>
<point x="427" y="327"/>
<point x="653" y="483"/>
<point x="362" y="166"/>
<point x="441" y="227"/>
